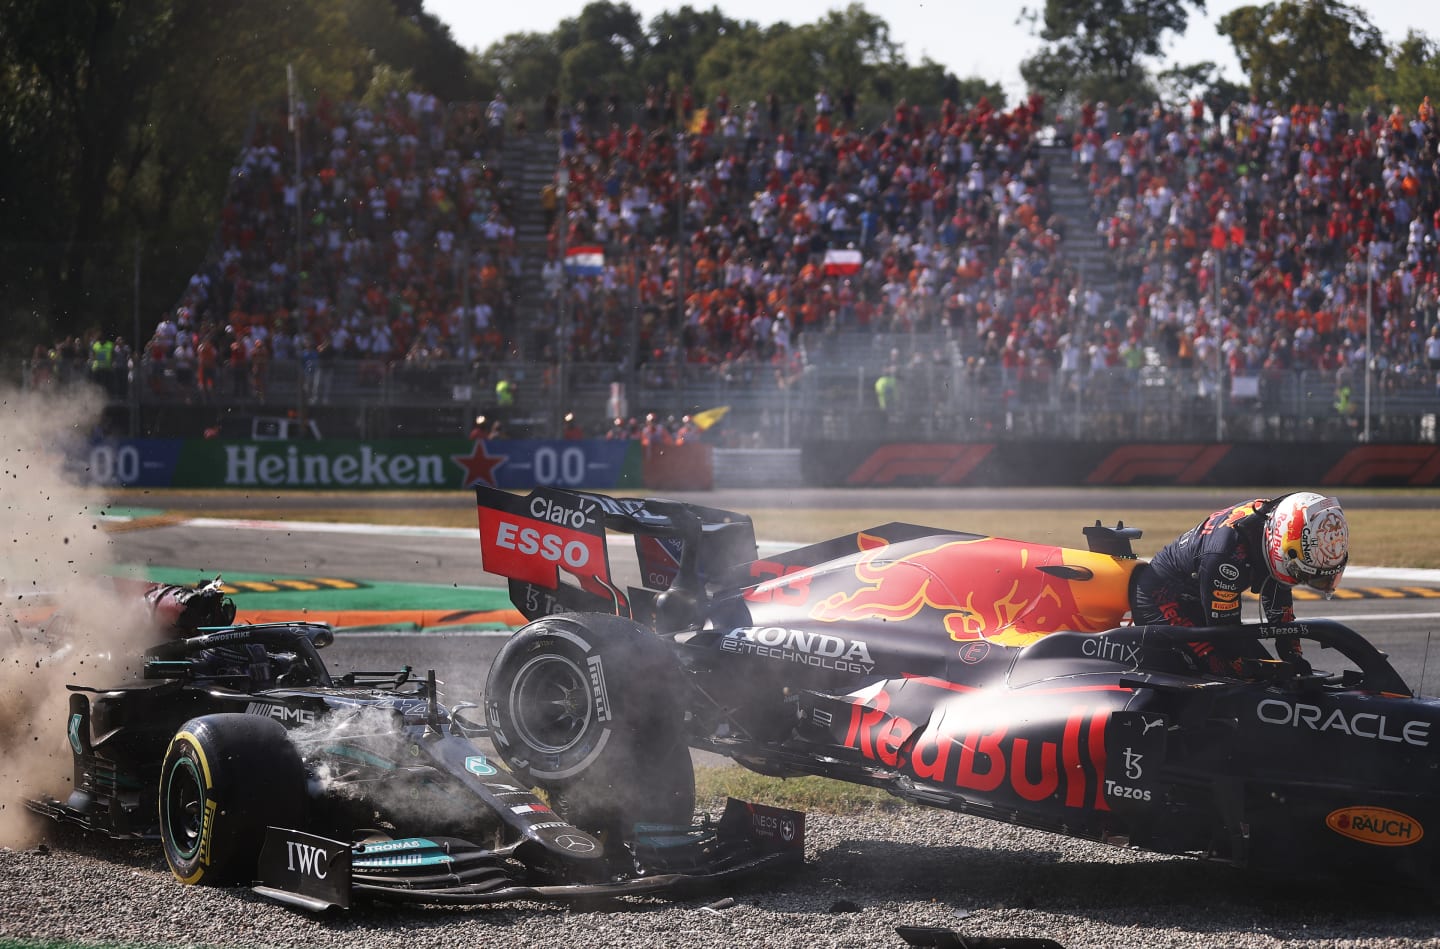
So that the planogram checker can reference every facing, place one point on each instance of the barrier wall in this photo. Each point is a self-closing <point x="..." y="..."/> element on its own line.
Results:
<point x="392" y="464"/>
<point x="598" y="464"/>
<point x="1071" y="464"/>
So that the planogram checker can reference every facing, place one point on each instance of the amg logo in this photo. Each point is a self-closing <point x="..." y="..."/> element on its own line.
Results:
<point x="281" y="713"/>
<point x="303" y="858"/>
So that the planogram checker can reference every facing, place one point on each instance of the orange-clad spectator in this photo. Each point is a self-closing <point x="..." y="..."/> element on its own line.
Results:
<point x="207" y="363"/>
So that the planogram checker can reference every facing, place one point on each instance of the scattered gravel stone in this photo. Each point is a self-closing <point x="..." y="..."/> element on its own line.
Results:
<point x="918" y="867"/>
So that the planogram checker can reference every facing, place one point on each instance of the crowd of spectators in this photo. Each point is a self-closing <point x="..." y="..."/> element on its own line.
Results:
<point x="720" y="235"/>
<point x="382" y="235"/>
<point x="1238" y="235"/>
<point x="1238" y="238"/>
<point x="1271" y="238"/>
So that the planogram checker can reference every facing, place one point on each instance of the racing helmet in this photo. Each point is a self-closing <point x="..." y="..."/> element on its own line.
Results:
<point x="1307" y="540"/>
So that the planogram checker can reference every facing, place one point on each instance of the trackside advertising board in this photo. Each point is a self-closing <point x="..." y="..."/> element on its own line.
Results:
<point x="1061" y="464"/>
<point x="379" y="465"/>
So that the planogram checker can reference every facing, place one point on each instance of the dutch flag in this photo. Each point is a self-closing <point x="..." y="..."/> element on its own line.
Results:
<point x="585" y="261"/>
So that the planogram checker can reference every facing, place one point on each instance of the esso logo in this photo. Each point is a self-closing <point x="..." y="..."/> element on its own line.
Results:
<point x="531" y="542"/>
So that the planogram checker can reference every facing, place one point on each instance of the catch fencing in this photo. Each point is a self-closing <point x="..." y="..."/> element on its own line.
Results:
<point x="827" y="392"/>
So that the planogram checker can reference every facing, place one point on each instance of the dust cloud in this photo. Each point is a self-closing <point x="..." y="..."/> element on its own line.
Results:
<point x="61" y="619"/>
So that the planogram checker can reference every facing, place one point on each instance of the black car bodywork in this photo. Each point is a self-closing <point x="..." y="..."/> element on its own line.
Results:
<point x="974" y="673"/>
<point x="249" y="761"/>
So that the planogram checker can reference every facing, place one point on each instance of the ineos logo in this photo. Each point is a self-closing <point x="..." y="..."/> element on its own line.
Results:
<point x="575" y="843"/>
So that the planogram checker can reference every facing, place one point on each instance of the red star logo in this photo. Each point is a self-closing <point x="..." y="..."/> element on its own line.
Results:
<point x="479" y="466"/>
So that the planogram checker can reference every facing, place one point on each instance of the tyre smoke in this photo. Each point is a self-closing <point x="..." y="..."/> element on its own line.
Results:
<point x="403" y="793"/>
<point x="62" y="621"/>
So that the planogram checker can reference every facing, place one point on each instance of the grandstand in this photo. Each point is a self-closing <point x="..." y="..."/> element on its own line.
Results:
<point x="1264" y="273"/>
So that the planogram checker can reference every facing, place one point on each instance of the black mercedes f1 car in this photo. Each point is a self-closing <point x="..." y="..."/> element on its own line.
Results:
<point x="248" y="760"/>
<point x="981" y="674"/>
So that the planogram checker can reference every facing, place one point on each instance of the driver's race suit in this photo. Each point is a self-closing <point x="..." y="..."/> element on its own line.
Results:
<point x="1197" y="580"/>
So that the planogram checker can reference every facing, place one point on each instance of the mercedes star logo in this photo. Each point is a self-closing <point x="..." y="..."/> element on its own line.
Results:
<point x="575" y="843"/>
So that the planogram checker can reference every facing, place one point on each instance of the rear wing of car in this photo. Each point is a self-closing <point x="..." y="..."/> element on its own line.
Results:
<point x="553" y="546"/>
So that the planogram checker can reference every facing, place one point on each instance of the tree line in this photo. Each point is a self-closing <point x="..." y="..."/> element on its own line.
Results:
<point x="120" y="120"/>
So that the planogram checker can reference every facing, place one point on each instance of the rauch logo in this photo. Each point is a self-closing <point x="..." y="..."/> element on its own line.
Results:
<point x="1375" y="825"/>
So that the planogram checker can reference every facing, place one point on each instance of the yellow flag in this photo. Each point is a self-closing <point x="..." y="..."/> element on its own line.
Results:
<point x="703" y="420"/>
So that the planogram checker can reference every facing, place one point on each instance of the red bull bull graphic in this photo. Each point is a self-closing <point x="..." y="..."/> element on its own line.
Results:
<point x="1003" y="591"/>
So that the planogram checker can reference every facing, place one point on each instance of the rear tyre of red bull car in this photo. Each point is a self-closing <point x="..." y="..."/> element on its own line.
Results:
<point x="587" y="707"/>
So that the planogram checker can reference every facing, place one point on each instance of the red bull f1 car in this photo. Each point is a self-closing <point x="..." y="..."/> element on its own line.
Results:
<point x="249" y="761"/>
<point x="981" y="674"/>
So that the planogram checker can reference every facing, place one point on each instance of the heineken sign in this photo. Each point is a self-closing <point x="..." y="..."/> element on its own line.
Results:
<point x="251" y="466"/>
<point x="382" y="464"/>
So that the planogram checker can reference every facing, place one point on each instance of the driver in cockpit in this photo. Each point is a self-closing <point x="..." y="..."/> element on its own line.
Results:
<point x="1265" y="546"/>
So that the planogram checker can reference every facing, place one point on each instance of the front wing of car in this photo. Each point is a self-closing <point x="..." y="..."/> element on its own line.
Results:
<point x="317" y="873"/>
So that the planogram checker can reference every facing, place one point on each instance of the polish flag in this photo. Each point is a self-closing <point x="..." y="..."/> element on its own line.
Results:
<point x="842" y="263"/>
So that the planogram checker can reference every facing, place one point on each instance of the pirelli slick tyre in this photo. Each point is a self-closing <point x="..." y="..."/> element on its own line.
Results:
<point x="224" y="780"/>
<point x="586" y="707"/>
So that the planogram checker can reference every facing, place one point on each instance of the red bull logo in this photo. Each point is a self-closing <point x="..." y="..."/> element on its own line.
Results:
<point x="1068" y="766"/>
<point x="1231" y="516"/>
<point x="988" y="588"/>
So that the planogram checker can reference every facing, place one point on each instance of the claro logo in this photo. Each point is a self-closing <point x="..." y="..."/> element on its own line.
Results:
<point x="1367" y="725"/>
<point x="1379" y="826"/>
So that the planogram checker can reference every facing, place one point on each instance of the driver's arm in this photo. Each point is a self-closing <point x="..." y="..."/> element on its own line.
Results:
<point x="1277" y="604"/>
<point x="1220" y="583"/>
